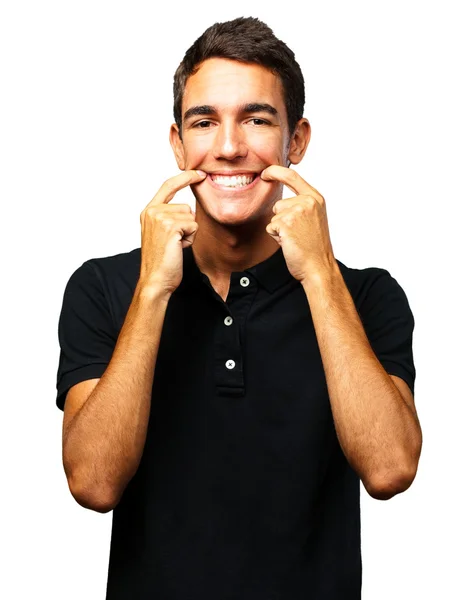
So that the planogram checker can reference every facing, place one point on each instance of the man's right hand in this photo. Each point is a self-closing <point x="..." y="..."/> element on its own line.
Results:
<point x="166" y="230"/>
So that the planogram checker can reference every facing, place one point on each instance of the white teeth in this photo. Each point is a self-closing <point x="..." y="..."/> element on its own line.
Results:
<point x="234" y="181"/>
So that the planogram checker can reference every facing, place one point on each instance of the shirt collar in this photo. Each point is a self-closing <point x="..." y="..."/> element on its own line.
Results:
<point x="272" y="273"/>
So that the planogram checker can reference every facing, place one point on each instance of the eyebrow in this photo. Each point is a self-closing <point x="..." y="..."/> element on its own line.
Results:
<point x="252" y="107"/>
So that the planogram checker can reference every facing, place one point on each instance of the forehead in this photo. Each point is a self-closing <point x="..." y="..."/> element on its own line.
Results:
<point x="226" y="83"/>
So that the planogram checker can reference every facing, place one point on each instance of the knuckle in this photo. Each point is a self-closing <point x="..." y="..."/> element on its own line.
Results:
<point x="149" y="212"/>
<point x="185" y="208"/>
<point x="310" y="201"/>
<point x="167" y="221"/>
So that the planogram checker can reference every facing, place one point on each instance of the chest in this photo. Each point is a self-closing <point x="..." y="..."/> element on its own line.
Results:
<point x="250" y="363"/>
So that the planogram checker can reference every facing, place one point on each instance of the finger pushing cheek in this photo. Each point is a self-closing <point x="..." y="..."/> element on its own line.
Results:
<point x="198" y="176"/>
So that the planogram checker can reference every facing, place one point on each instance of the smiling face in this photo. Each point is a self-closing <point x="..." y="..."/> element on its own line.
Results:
<point x="234" y="126"/>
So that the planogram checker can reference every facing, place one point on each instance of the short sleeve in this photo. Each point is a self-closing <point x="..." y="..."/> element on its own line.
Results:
<point x="86" y="333"/>
<point x="389" y="325"/>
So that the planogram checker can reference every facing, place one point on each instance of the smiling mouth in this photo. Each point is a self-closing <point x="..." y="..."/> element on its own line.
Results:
<point x="233" y="182"/>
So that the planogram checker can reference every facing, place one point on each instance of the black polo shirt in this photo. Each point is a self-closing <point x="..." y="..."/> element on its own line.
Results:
<point x="243" y="491"/>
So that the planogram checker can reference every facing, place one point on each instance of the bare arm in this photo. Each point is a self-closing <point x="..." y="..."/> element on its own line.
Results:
<point x="103" y="443"/>
<point x="374" y="415"/>
<point x="378" y="429"/>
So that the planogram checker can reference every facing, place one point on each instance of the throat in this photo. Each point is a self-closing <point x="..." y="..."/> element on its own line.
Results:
<point x="221" y="288"/>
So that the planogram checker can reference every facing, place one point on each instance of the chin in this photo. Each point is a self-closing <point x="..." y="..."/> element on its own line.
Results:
<point x="231" y="217"/>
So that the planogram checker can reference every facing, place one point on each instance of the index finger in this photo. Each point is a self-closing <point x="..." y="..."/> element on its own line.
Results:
<point x="171" y="186"/>
<point x="288" y="177"/>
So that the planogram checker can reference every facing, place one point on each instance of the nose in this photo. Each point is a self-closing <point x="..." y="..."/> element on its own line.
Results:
<point x="229" y="142"/>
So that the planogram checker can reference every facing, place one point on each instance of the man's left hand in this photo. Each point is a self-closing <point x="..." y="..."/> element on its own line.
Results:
<point x="300" y="226"/>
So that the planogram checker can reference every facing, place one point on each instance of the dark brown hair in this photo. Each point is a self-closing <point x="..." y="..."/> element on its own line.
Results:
<point x="246" y="40"/>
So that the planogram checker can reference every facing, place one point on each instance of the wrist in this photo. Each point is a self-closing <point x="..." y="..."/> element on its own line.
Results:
<point x="152" y="292"/>
<point x="323" y="278"/>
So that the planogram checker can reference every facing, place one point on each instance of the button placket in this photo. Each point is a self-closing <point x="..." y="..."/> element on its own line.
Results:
<point x="229" y="345"/>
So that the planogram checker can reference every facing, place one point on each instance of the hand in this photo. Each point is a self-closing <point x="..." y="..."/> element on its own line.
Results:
<point x="300" y="226"/>
<point x="166" y="230"/>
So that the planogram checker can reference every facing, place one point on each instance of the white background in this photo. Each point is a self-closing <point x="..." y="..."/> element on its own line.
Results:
<point x="86" y="105"/>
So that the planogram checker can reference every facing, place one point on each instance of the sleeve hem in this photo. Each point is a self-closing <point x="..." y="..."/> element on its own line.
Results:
<point x="394" y="369"/>
<point x="73" y="377"/>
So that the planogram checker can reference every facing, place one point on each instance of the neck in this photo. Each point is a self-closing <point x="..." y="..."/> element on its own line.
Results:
<point x="219" y="249"/>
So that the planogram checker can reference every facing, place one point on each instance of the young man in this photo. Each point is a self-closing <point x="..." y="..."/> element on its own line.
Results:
<point x="228" y="385"/>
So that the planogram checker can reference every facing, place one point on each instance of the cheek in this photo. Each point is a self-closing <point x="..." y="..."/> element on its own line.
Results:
<point x="270" y="149"/>
<point x="195" y="153"/>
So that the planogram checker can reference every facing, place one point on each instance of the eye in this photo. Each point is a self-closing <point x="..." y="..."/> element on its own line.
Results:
<point x="202" y="124"/>
<point x="260" y="121"/>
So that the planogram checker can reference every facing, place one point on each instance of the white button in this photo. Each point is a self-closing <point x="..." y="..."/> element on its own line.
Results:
<point x="228" y="321"/>
<point x="244" y="281"/>
<point x="230" y="364"/>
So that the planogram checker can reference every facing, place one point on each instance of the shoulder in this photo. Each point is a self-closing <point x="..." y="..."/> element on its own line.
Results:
<point x="113" y="276"/>
<point x="107" y="267"/>
<point x="370" y="286"/>
<point x="125" y="265"/>
<point x="102" y="288"/>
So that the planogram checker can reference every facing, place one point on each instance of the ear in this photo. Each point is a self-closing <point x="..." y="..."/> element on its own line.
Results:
<point x="299" y="142"/>
<point x="177" y="146"/>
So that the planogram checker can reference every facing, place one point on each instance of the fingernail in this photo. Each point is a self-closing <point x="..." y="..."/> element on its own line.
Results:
<point x="202" y="173"/>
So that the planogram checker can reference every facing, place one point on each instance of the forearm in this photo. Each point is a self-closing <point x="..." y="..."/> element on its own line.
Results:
<point x="104" y="443"/>
<point x="378" y="432"/>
